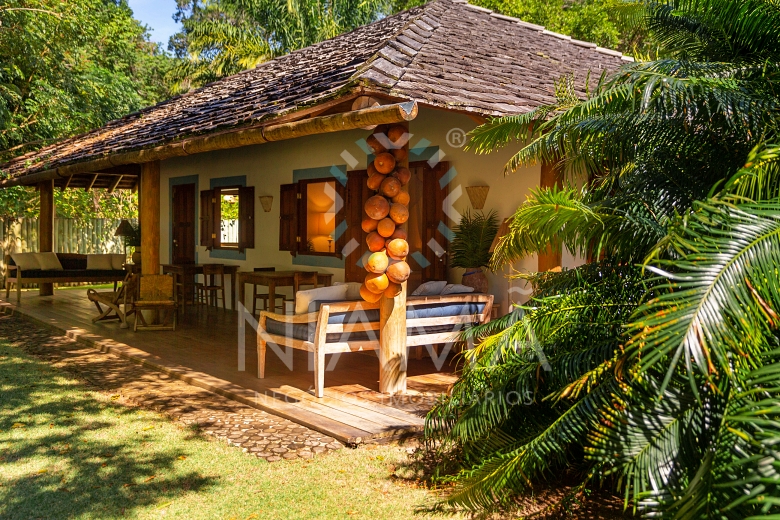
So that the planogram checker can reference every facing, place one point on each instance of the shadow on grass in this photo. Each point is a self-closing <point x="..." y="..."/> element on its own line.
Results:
<point x="64" y="453"/>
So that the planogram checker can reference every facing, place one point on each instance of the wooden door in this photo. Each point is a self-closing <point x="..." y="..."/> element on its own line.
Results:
<point x="183" y="239"/>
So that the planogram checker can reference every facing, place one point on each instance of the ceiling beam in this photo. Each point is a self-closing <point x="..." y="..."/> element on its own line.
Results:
<point x="115" y="183"/>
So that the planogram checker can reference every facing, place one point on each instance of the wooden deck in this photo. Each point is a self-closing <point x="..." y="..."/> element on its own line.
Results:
<point x="203" y="351"/>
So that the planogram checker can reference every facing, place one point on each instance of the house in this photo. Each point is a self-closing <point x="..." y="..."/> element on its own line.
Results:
<point x="257" y="135"/>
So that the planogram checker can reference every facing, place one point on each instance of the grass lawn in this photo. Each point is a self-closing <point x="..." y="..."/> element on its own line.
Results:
<point x="69" y="452"/>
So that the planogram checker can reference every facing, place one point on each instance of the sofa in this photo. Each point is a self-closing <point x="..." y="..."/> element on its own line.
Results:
<point x="71" y="267"/>
<point x="349" y="326"/>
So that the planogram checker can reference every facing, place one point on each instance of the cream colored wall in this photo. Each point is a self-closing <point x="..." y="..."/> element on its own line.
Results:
<point x="269" y="165"/>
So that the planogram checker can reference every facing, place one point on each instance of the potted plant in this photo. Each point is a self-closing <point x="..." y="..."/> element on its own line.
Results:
<point x="134" y="241"/>
<point x="470" y="249"/>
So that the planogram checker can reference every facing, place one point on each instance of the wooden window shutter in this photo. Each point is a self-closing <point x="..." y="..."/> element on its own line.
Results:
<point x="433" y="214"/>
<point x="357" y="194"/>
<point x="342" y="222"/>
<point x="207" y="230"/>
<point x="288" y="217"/>
<point x="246" y="218"/>
<point x="216" y="218"/>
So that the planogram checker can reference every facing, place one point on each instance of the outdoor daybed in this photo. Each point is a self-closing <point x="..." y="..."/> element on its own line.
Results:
<point x="61" y="268"/>
<point x="348" y="326"/>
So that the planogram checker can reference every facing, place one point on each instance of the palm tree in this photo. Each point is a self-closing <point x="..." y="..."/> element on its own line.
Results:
<point x="663" y="375"/>
<point x="224" y="37"/>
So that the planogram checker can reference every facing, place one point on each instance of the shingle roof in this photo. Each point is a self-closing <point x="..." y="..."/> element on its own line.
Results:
<point x="447" y="54"/>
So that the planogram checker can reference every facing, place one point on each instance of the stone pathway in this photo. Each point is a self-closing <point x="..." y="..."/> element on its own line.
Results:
<point x="255" y="431"/>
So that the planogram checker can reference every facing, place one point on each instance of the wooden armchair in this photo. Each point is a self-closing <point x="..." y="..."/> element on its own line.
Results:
<point x="118" y="304"/>
<point x="156" y="293"/>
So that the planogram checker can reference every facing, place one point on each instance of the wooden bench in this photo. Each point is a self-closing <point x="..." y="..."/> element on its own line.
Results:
<point x="74" y="270"/>
<point x="340" y="327"/>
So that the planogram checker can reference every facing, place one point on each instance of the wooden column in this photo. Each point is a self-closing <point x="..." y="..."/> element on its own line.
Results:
<point x="149" y="216"/>
<point x="551" y="176"/>
<point x="393" y="354"/>
<point x="46" y="227"/>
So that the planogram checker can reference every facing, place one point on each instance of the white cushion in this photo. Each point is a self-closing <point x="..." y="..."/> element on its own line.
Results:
<point x="332" y="293"/>
<point x="118" y="261"/>
<point x="430" y="288"/>
<point x="353" y="290"/>
<point x="456" y="288"/>
<point x="26" y="261"/>
<point x="48" y="261"/>
<point x="99" y="262"/>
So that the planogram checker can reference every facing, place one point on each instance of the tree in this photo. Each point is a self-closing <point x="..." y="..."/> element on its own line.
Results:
<point x="664" y="375"/>
<point x="223" y="37"/>
<point x="66" y="68"/>
<point x="604" y="22"/>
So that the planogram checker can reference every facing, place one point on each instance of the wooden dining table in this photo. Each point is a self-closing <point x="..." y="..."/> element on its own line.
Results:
<point x="185" y="274"/>
<point x="272" y="280"/>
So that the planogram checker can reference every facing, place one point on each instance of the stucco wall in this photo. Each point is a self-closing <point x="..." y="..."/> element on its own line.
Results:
<point x="268" y="166"/>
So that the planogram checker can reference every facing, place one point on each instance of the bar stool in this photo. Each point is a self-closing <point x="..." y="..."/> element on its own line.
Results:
<point x="209" y="291"/>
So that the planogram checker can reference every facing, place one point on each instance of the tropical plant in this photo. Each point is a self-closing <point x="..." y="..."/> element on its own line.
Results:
<point x="664" y="377"/>
<point x="223" y="37"/>
<point x="473" y="237"/>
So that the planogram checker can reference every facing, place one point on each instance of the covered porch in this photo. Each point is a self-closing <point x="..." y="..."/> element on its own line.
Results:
<point x="204" y="351"/>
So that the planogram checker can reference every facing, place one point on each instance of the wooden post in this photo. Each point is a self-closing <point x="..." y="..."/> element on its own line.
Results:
<point x="46" y="228"/>
<point x="550" y="176"/>
<point x="149" y="215"/>
<point x="393" y="354"/>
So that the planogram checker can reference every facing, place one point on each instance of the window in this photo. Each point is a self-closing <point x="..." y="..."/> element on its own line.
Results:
<point x="312" y="217"/>
<point x="227" y="218"/>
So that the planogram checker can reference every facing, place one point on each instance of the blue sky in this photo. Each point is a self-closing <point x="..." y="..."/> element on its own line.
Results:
<point x="157" y="14"/>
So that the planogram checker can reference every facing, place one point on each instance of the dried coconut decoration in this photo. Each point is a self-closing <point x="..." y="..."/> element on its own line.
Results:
<point x="385" y="212"/>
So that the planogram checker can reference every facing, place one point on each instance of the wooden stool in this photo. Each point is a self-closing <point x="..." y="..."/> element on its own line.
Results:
<point x="210" y="290"/>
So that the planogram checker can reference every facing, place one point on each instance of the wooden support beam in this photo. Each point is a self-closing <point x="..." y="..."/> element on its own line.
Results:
<point x="46" y="228"/>
<point x="92" y="182"/>
<point x="385" y="114"/>
<point x="115" y="183"/>
<point x="149" y="215"/>
<point x="393" y="354"/>
<point x="67" y="182"/>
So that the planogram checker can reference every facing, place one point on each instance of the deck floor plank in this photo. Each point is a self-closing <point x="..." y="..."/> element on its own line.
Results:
<point x="204" y="351"/>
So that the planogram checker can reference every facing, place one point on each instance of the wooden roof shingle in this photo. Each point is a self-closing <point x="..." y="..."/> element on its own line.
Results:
<point x="446" y="54"/>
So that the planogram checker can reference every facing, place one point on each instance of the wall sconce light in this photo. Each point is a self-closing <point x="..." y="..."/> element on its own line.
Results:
<point x="266" y="201"/>
<point x="477" y="195"/>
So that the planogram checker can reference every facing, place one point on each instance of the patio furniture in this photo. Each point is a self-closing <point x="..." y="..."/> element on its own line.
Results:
<point x="209" y="291"/>
<point x="74" y="269"/>
<point x="118" y="304"/>
<point x="352" y="326"/>
<point x="156" y="293"/>
<point x="272" y="280"/>
<point x="263" y="296"/>
<point x="185" y="275"/>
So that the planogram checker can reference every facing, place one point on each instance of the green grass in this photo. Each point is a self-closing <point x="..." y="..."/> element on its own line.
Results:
<point x="69" y="452"/>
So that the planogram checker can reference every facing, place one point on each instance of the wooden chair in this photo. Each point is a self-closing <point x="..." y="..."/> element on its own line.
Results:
<point x="304" y="278"/>
<point x="185" y="288"/>
<point x="156" y="293"/>
<point x="264" y="296"/>
<point x="210" y="290"/>
<point x="119" y="304"/>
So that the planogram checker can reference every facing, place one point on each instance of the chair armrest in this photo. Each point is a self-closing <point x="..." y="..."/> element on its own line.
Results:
<point x="286" y="318"/>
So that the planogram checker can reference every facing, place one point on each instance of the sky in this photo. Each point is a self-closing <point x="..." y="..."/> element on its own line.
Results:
<point x="157" y="14"/>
